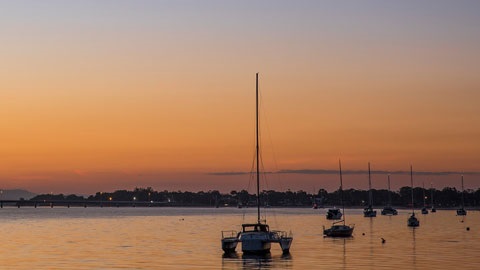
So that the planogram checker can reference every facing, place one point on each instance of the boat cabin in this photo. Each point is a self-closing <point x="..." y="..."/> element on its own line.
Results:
<point x="255" y="227"/>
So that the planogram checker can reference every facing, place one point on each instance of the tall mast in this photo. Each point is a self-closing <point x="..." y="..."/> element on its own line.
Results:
<point x="389" y="195"/>
<point x="370" y="200"/>
<point x="431" y="195"/>
<point x="257" y="148"/>
<point x="423" y="187"/>
<point x="463" y="200"/>
<point x="411" y="183"/>
<point x="341" y="190"/>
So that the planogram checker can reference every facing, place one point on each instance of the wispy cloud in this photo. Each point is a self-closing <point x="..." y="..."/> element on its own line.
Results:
<point x="236" y="173"/>
<point x="227" y="173"/>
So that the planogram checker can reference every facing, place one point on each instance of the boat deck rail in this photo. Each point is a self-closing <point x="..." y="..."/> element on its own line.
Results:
<point x="229" y="234"/>
<point x="277" y="235"/>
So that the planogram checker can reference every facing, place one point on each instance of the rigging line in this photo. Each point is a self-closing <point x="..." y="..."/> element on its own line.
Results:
<point x="269" y="134"/>
<point x="265" y="123"/>
<point x="253" y="159"/>
<point x="264" y="172"/>
<point x="251" y="176"/>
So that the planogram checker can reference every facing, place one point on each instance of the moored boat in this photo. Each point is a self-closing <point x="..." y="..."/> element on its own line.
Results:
<point x="256" y="238"/>
<point x="388" y="210"/>
<point x="334" y="214"/>
<point x="339" y="230"/>
<point x="461" y="211"/>
<point x="368" y="211"/>
<point x="412" y="220"/>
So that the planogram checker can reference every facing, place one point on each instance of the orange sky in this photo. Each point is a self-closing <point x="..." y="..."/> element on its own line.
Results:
<point x="93" y="95"/>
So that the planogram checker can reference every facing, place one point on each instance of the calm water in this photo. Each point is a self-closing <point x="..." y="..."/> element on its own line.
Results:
<point x="189" y="238"/>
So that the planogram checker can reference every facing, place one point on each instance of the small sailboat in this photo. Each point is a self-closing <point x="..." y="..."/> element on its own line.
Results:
<point x="424" y="208"/>
<point x="462" y="211"/>
<point x="433" y="210"/>
<point x="256" y="238"/>
<point x="368" y="211"/>
<point x="412" y="220"/>
<point x="339" y="228"/>
<point x="388" y="210"/>
<point x="334" y="214"/>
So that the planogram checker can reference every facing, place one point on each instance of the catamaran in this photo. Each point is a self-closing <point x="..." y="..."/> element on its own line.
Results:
<point x="256" y="238"/>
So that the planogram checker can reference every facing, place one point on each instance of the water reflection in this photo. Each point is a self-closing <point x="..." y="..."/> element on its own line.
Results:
<point x="414" y="250"/>
<point x="230" y="255"/>
<point x="372" y="255"/>
<point x="252" y="261"/>
<point x="77" y="238"/>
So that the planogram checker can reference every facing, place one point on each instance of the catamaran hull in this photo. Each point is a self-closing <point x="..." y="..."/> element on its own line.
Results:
<point x="285" y="243"/>
<point x="229" y="244"/>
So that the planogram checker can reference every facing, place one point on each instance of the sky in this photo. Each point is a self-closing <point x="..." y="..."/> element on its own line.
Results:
<point x="106" y="95"/>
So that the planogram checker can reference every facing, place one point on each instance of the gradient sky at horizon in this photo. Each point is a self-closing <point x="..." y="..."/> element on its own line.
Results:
<point x="102" y="95"/>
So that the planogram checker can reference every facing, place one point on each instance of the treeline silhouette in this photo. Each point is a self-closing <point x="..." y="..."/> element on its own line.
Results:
<point x="447" y="197"/>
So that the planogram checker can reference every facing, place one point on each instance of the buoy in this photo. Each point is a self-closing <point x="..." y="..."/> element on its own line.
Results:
<point x="363" y="233"/>
<point x="468" y="228"/>
<point x="383" y="241"/>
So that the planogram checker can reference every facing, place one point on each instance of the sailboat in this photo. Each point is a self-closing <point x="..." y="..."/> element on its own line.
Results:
<point x="431" y="198"/>
<point x="462" y="211"/>
<point x="256" y="238"/>
<point x="388" y="209"/>
<point x="412" y="220"/>
<point x="368" y="211"/>
<point x="339" y="230"/>
<point x="333" y="213"/>
<point x="424" y="208"/>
